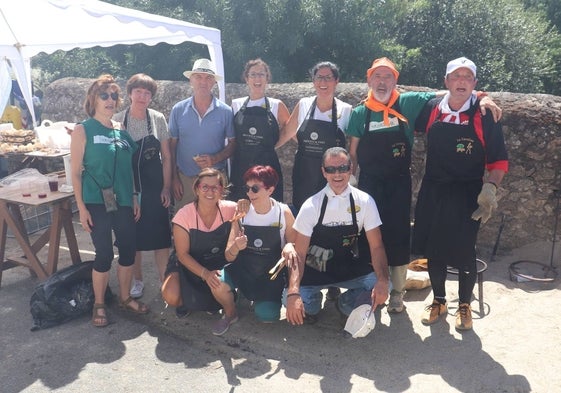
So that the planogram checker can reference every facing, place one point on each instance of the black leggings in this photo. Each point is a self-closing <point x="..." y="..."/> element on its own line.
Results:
<point x="466" y="280"/>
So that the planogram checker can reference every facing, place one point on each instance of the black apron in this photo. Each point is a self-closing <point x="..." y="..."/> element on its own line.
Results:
<point x="207" y="248"/>
<point x="257" y="132"/>
<point x="351" y="254"/>
<point x="444" y="231"/>
<point x="250" y="271"/>
<point x="314" y="138"/>
<point x="153" y="229"/>
<point x="385" y="160"/>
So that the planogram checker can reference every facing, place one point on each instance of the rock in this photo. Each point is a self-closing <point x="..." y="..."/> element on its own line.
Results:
<point x="531" y="124"/>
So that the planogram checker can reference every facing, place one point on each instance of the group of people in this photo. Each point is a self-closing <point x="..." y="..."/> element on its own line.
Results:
<point x="130" y="167"/>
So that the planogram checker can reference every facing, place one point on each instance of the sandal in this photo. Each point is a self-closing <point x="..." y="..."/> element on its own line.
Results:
<point x="141" y="308"/>
<point x="98" y="319"/>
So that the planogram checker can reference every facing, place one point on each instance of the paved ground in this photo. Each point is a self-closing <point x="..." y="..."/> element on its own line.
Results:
<point x="513" y="348"/>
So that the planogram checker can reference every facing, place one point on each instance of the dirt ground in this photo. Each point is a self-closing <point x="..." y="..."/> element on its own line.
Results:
<point x="514" y="347"/>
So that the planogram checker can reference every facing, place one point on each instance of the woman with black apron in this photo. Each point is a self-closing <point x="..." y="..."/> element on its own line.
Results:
<point x="255" y="246"/>
<point x="200" y="233"/>
<point x="318" y="123"/>
<point x="152" y="176"/>
<point x="258" y="120"/>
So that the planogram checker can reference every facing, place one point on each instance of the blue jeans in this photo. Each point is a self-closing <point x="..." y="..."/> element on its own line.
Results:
<point x="312" y="297"/>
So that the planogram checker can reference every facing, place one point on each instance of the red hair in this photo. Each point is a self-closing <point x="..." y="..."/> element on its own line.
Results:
<point x="265" y="174"/>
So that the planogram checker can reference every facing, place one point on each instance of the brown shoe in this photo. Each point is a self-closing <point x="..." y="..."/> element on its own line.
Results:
<point x="463" y="317"/>
<point x="433" y="312"/>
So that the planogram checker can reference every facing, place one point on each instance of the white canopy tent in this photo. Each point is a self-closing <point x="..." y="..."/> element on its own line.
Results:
<point x="29" y="27"/>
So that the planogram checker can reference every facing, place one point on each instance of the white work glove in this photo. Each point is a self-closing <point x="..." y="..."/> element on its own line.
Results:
<point x="352" y="181"/>
<point x="487" y="200"/>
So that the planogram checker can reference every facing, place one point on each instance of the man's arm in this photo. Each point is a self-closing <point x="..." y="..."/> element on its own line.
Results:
<point x="225" y="153"/>
<point x="380" y="264"/>
<point x="294" y="306"/>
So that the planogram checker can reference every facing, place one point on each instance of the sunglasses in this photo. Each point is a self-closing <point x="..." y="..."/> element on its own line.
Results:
<point x="334" y="169"/>
<point x="254" y="188"/>
<point x="105" y="96"/>
<point x="207" y="188"/>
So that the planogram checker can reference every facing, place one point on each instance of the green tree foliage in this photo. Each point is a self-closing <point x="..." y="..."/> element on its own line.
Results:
<point x="515" y="43"/>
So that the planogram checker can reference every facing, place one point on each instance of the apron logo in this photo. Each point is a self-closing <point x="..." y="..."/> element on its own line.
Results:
<point x="314" y="136"/>
<point x="357" y="209"/>
<point x="258" y="243"/>
<point x="464" y="145"/>
<point x="215" y="250"/>
<point x="253" y="131"/>
<point x="398" y="150"/>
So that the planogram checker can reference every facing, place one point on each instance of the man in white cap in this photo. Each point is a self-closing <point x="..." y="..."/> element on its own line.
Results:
<point x="381" y="131"/>
<point x="199" y="126"/>
<point x="466" y="162"/>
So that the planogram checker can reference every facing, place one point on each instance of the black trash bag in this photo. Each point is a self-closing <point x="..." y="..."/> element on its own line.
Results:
<point x="65" y="295"/>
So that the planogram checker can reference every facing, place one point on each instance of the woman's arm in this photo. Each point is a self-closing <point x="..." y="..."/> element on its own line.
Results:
<point x="77" y="150"/>
<point x="165" y="194"/>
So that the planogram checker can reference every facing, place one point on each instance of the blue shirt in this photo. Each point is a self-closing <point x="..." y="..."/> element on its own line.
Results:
<point x="197" y="135"/>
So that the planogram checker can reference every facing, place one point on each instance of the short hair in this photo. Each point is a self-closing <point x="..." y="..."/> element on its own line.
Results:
<point x="253" y="63"/>
<point x="142" y="81"/>
<point x="210" y="172"/>
<point x="102" y="84"/>
<point x="334" y="152"/>
<point x="325" y="64"/>
<point x="265" y="174"/>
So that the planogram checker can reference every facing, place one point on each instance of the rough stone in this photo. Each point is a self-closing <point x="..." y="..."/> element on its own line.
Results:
<point x="531" y="124"/>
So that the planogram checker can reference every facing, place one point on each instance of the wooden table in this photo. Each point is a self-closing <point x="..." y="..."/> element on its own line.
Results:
<point x="11" y="218"/>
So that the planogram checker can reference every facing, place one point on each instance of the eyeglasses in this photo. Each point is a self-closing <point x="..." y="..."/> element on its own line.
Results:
<point x="254" y="75"/>
<point x="254" y="188"/>
<point x="340" y="169"/>
<point x="324" y="78"/>
<point x="207" y="188"/>
<point x="105" y="96"/>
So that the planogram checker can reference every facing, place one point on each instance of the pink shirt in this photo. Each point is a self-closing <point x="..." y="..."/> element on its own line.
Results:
<point x="187" y="216"/>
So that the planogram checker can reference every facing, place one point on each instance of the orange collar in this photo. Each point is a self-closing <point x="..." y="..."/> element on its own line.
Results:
<point x="376" y="106"/>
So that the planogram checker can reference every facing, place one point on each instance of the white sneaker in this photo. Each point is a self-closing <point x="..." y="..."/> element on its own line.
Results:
<point x="137" y="289"/>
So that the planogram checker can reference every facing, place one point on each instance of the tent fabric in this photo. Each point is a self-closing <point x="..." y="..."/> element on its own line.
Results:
<point x="29" y="27"/>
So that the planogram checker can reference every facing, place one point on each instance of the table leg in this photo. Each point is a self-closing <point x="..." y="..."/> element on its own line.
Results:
<point x="54" y="238"/>
<point x="69" y="232"/>
<point x="17" y="227"/>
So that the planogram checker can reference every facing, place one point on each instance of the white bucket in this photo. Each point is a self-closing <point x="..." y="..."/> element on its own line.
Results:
<point x="67" y="169"/>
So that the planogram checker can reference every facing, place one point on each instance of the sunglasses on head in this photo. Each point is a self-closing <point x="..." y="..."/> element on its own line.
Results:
<point x="254" y="188"/>
<point x="105" y="96"/>
<point x="333" y="169"/>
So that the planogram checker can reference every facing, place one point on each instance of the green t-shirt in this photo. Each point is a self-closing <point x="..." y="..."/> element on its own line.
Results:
<point x="107" y="162"/>
<point x="410" y="106"/>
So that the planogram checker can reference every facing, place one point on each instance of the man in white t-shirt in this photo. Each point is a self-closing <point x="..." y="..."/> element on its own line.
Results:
<point x="339" y="244"/>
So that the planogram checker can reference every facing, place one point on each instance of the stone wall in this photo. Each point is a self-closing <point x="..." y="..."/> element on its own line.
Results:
<point x="531" y="124"/>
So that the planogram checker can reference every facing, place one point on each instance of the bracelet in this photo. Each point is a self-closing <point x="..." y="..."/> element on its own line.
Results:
<point x="293" y="294"/>
<point x="203" y="274"/>
<point x="493" y="183"/>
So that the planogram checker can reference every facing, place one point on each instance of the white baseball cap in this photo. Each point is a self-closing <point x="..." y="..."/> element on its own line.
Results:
<point x="203" y="66"/>
<point x="361" y="321"/>
<point x="461" y="62"/>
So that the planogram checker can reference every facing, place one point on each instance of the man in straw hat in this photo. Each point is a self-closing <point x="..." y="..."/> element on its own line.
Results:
<point x="466" y="162"/>
<point x="198" y="127"/>
<point x="381" y="131"/>
<point x="339" y="244"/>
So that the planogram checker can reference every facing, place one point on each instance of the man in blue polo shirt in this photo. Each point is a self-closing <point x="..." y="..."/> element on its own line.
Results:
<point x="199" y="127"/>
